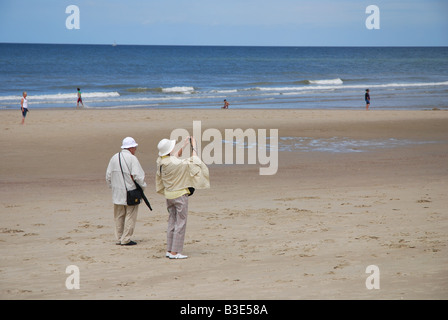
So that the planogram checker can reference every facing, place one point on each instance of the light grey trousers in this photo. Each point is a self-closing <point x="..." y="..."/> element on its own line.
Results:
<point x="177" y="223"/>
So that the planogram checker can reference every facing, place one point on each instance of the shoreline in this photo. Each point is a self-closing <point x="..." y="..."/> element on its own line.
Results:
<point x="307" y="232"/>
<point x="372" y="109"/>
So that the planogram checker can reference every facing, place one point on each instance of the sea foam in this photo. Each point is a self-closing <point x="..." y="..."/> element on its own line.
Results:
<point x="61" y="96"/>
<point x="186" y="90"/>
<point x="330" y="81"/>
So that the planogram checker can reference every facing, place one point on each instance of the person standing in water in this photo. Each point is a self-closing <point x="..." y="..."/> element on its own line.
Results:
<point x="24" y="106"/>
<point x="79" y="99"/>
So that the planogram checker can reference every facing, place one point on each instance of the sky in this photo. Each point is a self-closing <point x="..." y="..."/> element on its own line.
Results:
<point x="227" y="23"/>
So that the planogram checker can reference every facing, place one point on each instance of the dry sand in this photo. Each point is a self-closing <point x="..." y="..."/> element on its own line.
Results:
<point x="307" y="232"/>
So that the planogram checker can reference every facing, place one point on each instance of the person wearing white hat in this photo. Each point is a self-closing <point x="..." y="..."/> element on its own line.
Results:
<point x="120" y="181"/>
<point x="177" y="179"/>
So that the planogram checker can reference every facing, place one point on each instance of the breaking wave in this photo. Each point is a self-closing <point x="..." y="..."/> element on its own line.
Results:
<point x="325" y="82"/>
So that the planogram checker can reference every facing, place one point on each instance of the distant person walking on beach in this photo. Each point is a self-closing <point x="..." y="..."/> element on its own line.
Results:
<point x="123" y="169"/>
<point x="367" y="98"/>
<point x="79" y="99"/>
<point x="177" y="179"/>
<point x="226" y="105"/>
<point x="24" y="106"/>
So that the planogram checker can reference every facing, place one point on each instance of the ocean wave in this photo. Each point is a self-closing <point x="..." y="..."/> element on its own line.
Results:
<point x="291" y="88"/>
<point x="137" y="90"/>
<point x="62" y="96"/>
<point x="186" y="90"/>
<point x="417" y="84"/>
<point x="325" y="82"/>
<point x="354" y="86"/>
<point x="225" y="91"/>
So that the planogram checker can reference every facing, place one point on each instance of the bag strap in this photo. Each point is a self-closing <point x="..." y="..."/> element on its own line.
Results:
<point x="136" y="184"/>
<point x="124" y="180"/>
<point x="129" y="172"/>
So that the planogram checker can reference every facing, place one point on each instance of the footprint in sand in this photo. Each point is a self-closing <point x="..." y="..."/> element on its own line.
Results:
<point x="12" y="205"/>
<point x="341" y="265"/>
<point x="7" y="230"/>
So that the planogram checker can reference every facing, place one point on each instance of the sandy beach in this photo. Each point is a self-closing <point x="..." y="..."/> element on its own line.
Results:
<point x="307" y="232"/>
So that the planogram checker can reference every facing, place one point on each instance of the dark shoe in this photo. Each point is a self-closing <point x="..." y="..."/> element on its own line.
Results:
<point x="130" y="243"/>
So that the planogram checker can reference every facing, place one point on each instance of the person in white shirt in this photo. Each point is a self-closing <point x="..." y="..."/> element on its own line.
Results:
<point x="24" y="106"/>
<point x="125" y="216"/>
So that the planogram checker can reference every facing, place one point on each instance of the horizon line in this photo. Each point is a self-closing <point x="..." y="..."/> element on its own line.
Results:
<point x="114" y="44"/>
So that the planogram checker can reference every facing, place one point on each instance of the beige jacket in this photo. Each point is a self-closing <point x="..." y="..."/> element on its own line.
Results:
<point x="176" y="174"/>
<point x="114" y="177"/>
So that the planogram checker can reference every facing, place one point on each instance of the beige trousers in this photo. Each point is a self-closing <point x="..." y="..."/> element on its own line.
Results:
<point x="125" y="220"/>
<point x="177" y="223"/>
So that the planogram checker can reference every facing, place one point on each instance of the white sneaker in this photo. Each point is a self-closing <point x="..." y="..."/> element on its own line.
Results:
<point x="177" y="256"/>
<point x="167" y="254"/>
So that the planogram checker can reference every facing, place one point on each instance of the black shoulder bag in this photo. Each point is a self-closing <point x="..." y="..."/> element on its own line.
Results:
<point x="133" y="197"/>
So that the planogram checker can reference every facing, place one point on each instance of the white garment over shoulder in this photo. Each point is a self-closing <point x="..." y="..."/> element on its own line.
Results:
<point x="114" y="177"/>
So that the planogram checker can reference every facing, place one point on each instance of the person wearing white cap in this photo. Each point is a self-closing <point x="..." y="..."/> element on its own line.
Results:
<point x="125" y="216"/>
<point x="177" y="179"/>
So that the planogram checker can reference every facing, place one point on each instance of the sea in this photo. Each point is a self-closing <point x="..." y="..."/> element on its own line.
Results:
<point x="201" y="77"/>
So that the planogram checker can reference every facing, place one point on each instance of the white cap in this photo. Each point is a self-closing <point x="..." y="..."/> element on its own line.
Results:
<point x="165" y="146"/>
<point x="128" y="142"/>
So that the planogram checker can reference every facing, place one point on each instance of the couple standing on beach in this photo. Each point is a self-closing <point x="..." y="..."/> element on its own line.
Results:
<point x="176" y="179"/>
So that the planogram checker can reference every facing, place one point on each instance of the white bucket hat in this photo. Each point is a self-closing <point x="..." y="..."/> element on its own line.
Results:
<point x="165" y="146"/>
<point x="128" y="142"/>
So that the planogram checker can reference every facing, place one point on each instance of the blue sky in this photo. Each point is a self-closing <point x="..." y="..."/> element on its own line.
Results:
<point x="229" y="22"/>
